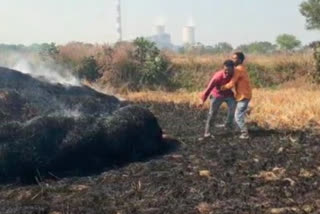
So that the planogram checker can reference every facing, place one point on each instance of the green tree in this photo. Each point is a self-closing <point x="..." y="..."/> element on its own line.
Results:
<point x="152" y="66"/>
<point x="311" y="10"/>
<point x="222" y="47"/>
<point x="244" y="48"/>
<point x="46" y="49"/>
<point x="288" y="42"/>
<point x="145" y="49"/>
<point x="262" y="47"/>
<point x="89" y="69"/>
<point x="258" y="48"/>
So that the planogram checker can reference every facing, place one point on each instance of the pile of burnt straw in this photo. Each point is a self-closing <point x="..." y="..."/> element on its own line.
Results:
<point x="48" y="127"/>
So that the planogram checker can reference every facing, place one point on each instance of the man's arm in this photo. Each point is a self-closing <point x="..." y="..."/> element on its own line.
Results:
<point x="232" y="82"/>
<point x="211" y="85"/>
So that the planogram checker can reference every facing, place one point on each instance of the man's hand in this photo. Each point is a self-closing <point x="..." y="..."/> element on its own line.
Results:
<point x="201" y="101"/>
<point x="201" y="104"/>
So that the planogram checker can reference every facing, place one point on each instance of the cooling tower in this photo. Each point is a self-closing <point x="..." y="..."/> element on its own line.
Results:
<point x="159" y="29"/>
<point x="188" y="35"/>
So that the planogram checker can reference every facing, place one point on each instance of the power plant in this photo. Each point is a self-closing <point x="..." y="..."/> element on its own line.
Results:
<point x="160" y="37"/>
<point x="163" y="39"/>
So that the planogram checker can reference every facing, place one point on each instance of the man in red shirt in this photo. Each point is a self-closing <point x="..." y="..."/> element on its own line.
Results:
<point x="217" y="96"/>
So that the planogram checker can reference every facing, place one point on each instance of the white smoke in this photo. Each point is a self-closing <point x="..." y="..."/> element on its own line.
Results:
<point x="68" y="113"/>
<point x="41" y="71"/>
<point x="160" y="20"/>
<point x="191" y="22"/>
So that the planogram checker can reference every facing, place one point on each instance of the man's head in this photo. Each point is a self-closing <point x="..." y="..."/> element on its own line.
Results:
<point x="228" y="67"/>
<point x="238" y="58"/>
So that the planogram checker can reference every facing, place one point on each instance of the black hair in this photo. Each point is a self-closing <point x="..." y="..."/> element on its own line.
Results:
<point x="228" y="63"/>
<point x="240" y="56"/>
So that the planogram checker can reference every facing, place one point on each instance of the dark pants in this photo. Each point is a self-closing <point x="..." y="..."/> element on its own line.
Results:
<point x="215" y="104"/>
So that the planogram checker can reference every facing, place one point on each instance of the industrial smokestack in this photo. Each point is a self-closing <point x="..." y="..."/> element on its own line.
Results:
<point x="188" y="35"/>
<point x="118" y="20"/>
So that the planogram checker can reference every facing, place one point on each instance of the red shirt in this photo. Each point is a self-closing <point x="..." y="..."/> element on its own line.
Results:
<point x="219" y="79"/>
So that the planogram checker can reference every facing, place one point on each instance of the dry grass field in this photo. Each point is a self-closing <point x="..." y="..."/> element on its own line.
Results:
<point x="290" y="107"/>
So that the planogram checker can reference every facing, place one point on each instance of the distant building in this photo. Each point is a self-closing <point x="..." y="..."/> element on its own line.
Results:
<point x="161" y="38"/>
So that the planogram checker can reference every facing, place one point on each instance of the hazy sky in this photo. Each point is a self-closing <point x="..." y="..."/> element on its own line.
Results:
<point x="233" y="21"/>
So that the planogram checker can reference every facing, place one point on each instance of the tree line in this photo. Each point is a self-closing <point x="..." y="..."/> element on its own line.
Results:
<point x="283" y="43"/>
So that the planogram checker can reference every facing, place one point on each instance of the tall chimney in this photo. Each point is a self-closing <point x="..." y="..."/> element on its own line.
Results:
<point x="118" y="20"/>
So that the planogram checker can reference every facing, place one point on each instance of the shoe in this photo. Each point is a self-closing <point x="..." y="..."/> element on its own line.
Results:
<point x="228" y="129"/>
<point x="244" y="136"/>
<point x="220" y="125"/>
<point x="205" y="137"/>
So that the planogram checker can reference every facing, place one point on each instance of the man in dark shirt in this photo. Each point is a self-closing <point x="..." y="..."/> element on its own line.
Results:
<point x="217" y="97"/>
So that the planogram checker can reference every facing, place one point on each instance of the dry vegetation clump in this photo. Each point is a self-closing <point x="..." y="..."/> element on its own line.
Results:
<point x="76" y="51"/>
<point x="47" y="127"/>
<point x="192" y="72"/>
<point x="123" y="66"/>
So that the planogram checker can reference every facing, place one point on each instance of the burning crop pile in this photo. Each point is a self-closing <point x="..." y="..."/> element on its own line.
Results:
<point x="49" y="127"/>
